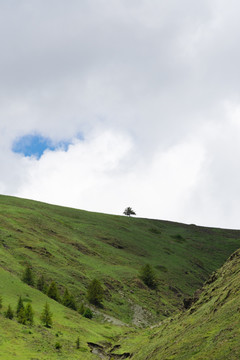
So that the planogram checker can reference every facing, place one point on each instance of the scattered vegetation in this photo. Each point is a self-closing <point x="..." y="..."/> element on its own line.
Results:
<point x="46" y="316"/>
<point x="41" y="284"/>
<point x="72" y="247"/>
<point x="28" y="276"/>
<point x="148" y="276"/>
<point x="69" y="300"/>
<point x="52" y="291"/>
<point x="9" y="313"/>
<point x="88" y="313"/>
<point x="58" y="346"/>
<point x="95" y="293"/>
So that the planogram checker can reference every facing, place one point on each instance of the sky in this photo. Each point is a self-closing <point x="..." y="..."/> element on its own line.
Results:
<point x="108" y="104"/>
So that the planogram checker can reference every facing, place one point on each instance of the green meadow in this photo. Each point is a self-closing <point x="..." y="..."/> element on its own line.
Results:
<point x="72" y="247"/>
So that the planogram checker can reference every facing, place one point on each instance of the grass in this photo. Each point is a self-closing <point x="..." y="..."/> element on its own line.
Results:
<point x="72" y="247"/>
<point x="37" y="342"/>
<point x="210" y="329"/>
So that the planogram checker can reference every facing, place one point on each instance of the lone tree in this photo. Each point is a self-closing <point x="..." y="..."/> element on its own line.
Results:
<point x="29" y="314"/>
<point x="21" y="316"/>
<point x="147" y="275"/>
<point x="46" y="316"/>
<point x="129" y="211"/>
<point x="69" y="300"/>
<point x="95" y="293"/>
<point x="53" y="291"/>
<point x="88" y="313"/>
<point x="20" y="305"/>
<point x="9" y="313"/>
<point x="41" y="284"/>
<point x="28" y="276"/>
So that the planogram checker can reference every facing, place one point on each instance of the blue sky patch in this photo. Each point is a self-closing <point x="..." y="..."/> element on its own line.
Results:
<point x="35" y="145"/>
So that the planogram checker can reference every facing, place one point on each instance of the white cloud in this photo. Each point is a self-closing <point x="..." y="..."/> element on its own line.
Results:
<point x="101" y="175"/>
<point x="147" y="83"/>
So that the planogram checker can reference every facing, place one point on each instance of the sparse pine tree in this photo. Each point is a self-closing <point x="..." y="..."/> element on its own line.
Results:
<point x="95" y="293"/>
<point x="78" y="343"/>
<point x="53" y="291"/>
<point x="29" y="314"/>
<point x="69" y="300"/>
<point x="46" y="316"/>
<point x="82" y="309"/>
<point x="148" y="276"/>
<point x="28" y="276"/>
<point x="41" y="284"/>
<point x="9" y="313"/>
<point x="21" y="316"/>
<point x="20" y="305"/>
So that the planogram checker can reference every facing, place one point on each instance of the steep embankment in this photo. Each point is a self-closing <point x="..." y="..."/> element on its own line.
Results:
<point x="209" y="329"/>
<point x="72" y="247"/>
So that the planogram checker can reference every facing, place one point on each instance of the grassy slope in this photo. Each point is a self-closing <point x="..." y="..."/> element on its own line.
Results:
<point x="73" y="246"/>
<point x="38" y="343"/>
<point x="210" y="329"/>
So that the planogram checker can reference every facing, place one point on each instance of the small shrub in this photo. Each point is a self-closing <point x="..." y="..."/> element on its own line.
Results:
<point x="28" y="276"/>
<point x="58" y="346"/>
<point x="69" y="300"/>
<point x="147" y="275"/>
<point x="88" y="313"/>
<point x="53" y="291"/>
<point x="9" y="313"/>
<point x="95" y="293"/>
<point x="78" y="343"/>
<point x="82" y="309"/>
<point x="41" y="284"/>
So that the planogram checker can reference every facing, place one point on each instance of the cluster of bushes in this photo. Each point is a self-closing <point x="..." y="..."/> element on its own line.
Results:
<point x="94" y="293"/>
<point x="25" y="314"/>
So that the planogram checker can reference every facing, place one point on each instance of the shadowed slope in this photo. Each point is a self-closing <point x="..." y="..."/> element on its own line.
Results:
<point x="210" y="329"/>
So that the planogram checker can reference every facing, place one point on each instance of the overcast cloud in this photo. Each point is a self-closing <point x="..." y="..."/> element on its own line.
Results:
<point x="146" y="94"/>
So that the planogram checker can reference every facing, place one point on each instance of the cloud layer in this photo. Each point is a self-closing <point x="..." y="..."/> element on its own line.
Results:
<point x="152" y="86"/>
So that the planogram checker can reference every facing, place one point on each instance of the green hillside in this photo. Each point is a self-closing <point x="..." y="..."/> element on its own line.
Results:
<point x="72" y="247"/>
<point x="210" y="329"/>
<point x="25" y="342"/>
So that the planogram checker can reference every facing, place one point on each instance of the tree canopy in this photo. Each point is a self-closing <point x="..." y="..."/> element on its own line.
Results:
<point x="129" y="211"/>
